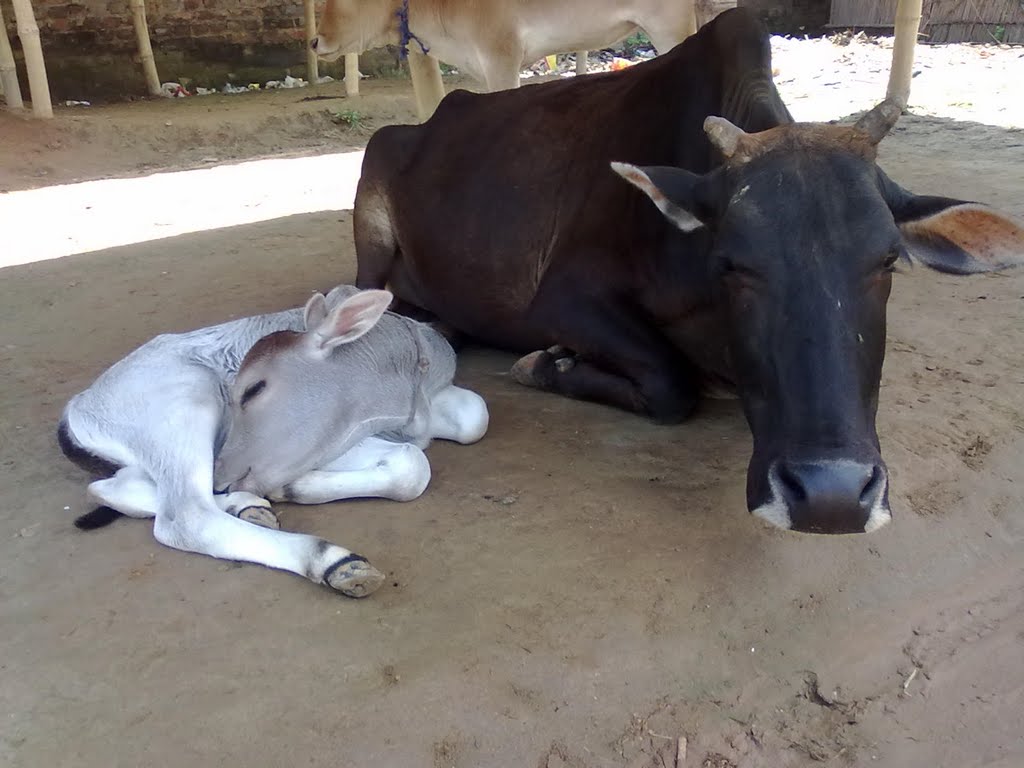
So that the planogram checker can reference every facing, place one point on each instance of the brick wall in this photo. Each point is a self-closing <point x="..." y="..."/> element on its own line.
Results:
<point x="105" y="26"/>
<point x="91" y="51"/>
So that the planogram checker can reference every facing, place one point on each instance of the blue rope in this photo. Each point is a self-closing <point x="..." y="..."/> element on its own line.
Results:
<point x="405" y="34"/>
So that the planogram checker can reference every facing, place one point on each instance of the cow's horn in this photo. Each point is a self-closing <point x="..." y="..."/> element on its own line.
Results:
<point x="723" y="134"/>
<point x="880" y="120"/>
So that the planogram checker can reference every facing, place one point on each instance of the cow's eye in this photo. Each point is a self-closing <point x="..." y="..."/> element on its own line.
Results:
<point x="891" y="259"/>
<point x="252" y="390"/>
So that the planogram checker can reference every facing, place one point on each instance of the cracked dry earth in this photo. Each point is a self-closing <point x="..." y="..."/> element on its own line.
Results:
<point x="579" y="590"/>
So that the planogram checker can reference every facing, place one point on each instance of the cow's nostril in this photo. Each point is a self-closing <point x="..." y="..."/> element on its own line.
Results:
<point x="313" y="42"/>
<point x="829" y="496"/>
<point x="793" y="488"/>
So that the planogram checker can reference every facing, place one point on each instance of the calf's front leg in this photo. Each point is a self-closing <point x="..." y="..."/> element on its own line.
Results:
<point x="373" y="468"/>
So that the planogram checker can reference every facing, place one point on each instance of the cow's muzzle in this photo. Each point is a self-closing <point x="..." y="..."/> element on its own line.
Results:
<point x="827" y="496"/>
<point x="323" y="51"/>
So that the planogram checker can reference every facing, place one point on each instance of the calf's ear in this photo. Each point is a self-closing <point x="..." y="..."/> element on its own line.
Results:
<point x="349" y="320"/>
<point x="958" y="237"/>
<point x="671" y="189"/>
<point x="315" y="311"/>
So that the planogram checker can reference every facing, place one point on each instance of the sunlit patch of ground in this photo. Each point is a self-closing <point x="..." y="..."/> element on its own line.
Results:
<point x="76" y="218"/>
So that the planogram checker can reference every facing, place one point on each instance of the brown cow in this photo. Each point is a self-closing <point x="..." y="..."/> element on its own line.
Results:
<point x="770" y="270"/>
<point x="492" y="41"/>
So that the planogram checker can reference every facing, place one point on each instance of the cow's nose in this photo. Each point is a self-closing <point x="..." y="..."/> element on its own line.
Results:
<point x="313" y="42"/>
<point x="833" y="496"/>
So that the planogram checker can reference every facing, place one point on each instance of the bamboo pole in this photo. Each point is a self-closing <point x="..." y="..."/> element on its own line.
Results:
<point x="352" y="74"/>
<point x="312" y="62"/>
<point x="28" y="31"/>
<point x="908" y="19"/>
<point x="145" y="49"/>
<point x="581" y="62"/>
<point x="8" y="72"/>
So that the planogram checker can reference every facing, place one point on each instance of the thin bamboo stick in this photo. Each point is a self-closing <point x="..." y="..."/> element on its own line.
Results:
<point x="145" y="48"/>
<point x="352" y="74"/>
<point x="8" y="72"/>
<point x="581" y="62"/>
<point x="28" y="31"/>
<point x="312" y="62"/>
<point x="908" y="19"/>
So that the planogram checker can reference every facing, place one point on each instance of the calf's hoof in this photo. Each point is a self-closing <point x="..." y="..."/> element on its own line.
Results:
<point x="261" y="516"/>
<point x="353" y="577"/>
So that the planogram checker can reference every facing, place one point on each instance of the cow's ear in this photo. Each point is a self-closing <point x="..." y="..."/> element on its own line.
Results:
<point x="671" y="189"/>
<point x="349" y="320"/>
<point x="956" y="236"/>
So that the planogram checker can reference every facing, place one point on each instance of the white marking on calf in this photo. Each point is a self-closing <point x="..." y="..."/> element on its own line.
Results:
<point x="160" y="414"/>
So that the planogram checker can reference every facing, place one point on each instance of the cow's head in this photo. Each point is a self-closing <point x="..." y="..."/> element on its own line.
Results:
<point x="354" y="26"/>
<point x="806" y="233"/>
<point x="284" y="401"/>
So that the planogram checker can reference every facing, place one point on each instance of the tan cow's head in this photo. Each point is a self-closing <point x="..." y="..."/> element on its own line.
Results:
<point x="354" y="26"/>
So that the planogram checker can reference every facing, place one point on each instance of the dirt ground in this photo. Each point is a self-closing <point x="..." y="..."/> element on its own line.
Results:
<point x="578" y="590"/>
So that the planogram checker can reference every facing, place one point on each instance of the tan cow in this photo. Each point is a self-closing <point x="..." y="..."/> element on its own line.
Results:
<point x="492" y="40"/>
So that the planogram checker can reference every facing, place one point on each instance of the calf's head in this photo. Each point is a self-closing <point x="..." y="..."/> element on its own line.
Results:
<point x="286" y="413"/>
<point x="806" y="232"/>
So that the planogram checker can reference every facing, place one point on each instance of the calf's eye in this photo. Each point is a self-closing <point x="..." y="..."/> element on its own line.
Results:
<point x="252" y="390"/>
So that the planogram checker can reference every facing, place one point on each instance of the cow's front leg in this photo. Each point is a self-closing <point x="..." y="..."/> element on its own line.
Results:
<point x="374" y="468"/>
<point x="616" y="359"/>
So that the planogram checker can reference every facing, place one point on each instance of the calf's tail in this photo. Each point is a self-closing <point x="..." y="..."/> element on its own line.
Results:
<point x="97" y="518"/>
<point x="94" y="465"/>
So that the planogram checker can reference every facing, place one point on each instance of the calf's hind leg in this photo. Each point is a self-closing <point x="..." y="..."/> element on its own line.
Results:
<point x="458" y="414"/>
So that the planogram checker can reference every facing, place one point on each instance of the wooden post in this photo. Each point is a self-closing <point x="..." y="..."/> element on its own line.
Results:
<point x="145" y="49"/>
<point x="312" y="62"/>
<point x="8" y="72"/>
<point x="28" y="31"/>
<point x="426" y="83"/>
<point x="352" y="74"/>
<point x="908" y="19"/>
<point x="581" y="62"/>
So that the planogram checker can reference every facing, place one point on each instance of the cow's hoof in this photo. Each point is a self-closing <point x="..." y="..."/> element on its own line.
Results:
<point x="526" y="368"/>
<point x="353" y="577"/>
<point x="261" y="516"/>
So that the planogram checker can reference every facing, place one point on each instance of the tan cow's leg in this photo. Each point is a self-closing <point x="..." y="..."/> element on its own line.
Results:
<point x="908" y="19"/>
<point x="426" y="83"/>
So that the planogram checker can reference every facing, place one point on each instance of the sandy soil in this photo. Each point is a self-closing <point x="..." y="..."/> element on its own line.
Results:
<point x="578" y="590"/>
